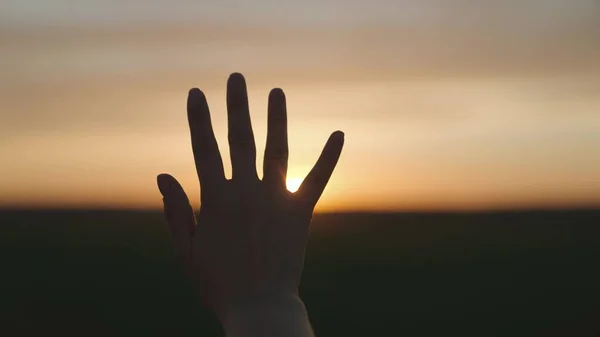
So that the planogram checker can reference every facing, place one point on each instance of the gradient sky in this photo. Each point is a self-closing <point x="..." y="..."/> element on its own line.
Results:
<point x="446" y="104"/>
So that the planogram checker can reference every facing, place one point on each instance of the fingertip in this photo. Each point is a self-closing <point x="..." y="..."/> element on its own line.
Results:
<point x="196" y="94"/>
<point x="196" y="99"/>
<point x="163" y="181"/>
<point x="276" y="92"/>
<point x="236" y="79"/>
<point x="338" y="136"/>
<point x="165" y="176"/>
<point x="276" y="96"/>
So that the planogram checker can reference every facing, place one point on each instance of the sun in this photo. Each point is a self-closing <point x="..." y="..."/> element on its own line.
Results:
<point x="293" y="184"/>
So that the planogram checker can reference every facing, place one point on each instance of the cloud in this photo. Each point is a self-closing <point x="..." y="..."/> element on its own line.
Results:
<point x="546" y="49"/>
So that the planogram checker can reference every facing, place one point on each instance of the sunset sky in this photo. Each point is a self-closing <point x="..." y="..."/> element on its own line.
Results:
<point x="446" y="104"/>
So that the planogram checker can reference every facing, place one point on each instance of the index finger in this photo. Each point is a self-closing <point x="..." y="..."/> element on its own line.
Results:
<point x="209" y="164"/>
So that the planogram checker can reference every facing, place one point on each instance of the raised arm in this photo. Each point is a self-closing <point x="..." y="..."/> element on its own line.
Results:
<point x="245" y="252"/>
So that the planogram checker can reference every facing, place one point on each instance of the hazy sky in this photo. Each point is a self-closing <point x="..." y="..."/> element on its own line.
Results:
<point x="446" y="104"/>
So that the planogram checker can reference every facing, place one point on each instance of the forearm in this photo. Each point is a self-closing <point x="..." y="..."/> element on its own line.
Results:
<point x="280" y="316"/>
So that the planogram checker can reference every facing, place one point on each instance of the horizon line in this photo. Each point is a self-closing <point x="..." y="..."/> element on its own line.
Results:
<point x="590" y="208"/>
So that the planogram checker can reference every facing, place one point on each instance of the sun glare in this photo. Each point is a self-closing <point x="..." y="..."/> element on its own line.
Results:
<point x="293" y="184"/>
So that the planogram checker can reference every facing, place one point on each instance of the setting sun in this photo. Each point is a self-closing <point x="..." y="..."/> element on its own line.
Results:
<point x="293" y="184"/>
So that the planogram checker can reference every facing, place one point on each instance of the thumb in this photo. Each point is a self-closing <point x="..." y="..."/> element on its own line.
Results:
<point x="179" y="215"/>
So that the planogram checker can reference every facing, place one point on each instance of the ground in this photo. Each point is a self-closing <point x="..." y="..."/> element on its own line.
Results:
<point x="489" y="274"/>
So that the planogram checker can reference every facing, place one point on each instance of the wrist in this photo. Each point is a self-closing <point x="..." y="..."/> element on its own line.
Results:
<point x="259" y="302"/>
<point x="269" y="314"/>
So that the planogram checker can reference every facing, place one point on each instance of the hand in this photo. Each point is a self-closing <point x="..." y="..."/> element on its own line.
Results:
<point x="248" y="243"/>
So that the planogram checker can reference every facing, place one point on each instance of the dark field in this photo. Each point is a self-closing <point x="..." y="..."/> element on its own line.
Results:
<point x="503" y="274"/>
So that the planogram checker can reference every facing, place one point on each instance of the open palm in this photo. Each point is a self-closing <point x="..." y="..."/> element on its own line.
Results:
<point x="248" y="241"/>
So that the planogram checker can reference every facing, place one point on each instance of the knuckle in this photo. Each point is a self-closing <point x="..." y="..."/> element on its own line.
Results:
<point x="276" y="153"/>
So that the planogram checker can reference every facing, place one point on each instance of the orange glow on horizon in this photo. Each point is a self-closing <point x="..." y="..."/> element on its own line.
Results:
<point x="443" y="109"/>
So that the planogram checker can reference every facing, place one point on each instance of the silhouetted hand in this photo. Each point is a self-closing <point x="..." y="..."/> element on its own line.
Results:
<point x="246" y="251"/>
